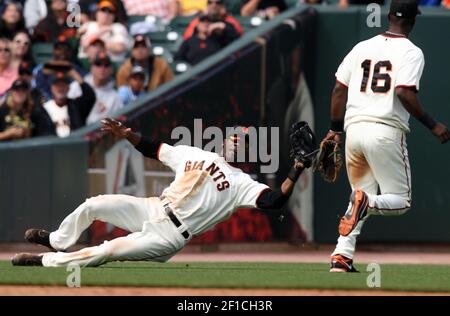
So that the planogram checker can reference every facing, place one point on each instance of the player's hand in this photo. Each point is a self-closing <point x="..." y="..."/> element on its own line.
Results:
<point x="441" y="131"/>
<point x="115" y="127"/>
<point x="298" y="164"/>
<point x="332" y="135"/>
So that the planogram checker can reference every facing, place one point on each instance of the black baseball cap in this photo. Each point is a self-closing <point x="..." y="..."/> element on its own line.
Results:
<point x="137" y="70"/>
<point x="61" y="41"/>
<point x="59" y="76"/>
<point x="102" y="59"/>
<point x="20" y="84"/>
<point x="406" y="9"/>
<point x="141" y="39"/>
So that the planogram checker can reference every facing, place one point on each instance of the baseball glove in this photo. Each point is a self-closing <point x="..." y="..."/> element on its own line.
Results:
<point x="303" y="143"/>
<point x="329" y="161"/>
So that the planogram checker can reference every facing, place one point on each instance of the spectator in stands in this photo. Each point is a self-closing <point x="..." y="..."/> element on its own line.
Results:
<point x="157" y="71"/>
<point x="209" y="37"/>
<point x="62" y="56"/>
<point x="95" y="47"/>
<point x="263" y="8"/>
<point x="216" y="12"/>
<point x="61" y="114"/>
<point x="55" y="24"/>
<point x="26" y="74"/>
<point x="135" y="87"/>
<point x="446" y="3"/>
<point x="11" y="20"/>
<point x="163" y="9"/>
<point x="21" y="49"/>
<point x="34" y="11"/>
<point x="113" y="34"/>
<point x="8" y="74"/>
<point x="346" y="3"/>
<point x="192" y="7"/>
<point x="15" y="112"/>
<point x="108" y="101"/>
<point x="89" y="8"/>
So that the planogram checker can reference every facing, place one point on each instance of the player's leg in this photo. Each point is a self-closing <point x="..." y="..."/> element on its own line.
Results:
<point x="360" y="178"/>
<point x="158" y="241"/>
<point x="124" y="211"/>
<point x="388" y="159"/>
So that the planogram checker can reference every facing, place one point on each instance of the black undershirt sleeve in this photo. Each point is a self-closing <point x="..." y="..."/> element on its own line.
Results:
<point x="148" y="147"/>
<point x="270" y="199"/>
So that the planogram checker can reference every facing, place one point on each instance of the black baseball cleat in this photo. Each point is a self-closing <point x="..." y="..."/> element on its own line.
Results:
<point x="26" y="259"/>
<point x="340" y="263"/>
<point x="39" y="236"/>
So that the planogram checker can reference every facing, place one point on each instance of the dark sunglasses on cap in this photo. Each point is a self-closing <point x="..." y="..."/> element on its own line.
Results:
<point x="102" y="64"/>
<point x="107" y="10"/>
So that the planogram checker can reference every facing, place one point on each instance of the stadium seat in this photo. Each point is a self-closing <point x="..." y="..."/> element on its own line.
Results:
<point x="135" y="18"/>
<point x="180" y="22"/>
<point x="249" y="22"/>
<point x="234" y="7"/>
<point x="164" y="52"/>
<point x="42" y="52"/>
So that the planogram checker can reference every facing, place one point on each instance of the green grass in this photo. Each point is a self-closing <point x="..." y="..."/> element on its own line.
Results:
<point x="424" y="278"/>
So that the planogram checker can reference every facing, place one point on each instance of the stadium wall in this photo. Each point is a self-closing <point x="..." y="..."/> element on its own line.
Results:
<point x="41" y="180"/>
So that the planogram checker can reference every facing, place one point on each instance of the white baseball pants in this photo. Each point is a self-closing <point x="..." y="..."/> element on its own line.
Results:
<point x="154" y="237"/>
<point x="377" y="162"/>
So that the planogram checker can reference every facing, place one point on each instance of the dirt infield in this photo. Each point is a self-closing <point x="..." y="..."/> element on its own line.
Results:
<point x="158" y="291"/>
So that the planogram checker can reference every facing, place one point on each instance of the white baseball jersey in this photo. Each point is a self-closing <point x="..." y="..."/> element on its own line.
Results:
<point x="372" y="71"/>
<point x="206" y="189"/>
<point x="59" y="116"/>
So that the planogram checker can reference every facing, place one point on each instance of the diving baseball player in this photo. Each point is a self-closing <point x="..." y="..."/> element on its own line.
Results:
<point x="376" y="90"/>
<point x="206" y="190"/>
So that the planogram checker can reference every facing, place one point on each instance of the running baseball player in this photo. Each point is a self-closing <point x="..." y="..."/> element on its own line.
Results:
<point x="206" y="190"/>
<point x="376" y="90"/>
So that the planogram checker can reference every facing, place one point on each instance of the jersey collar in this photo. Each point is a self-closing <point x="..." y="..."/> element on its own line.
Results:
<point x="392" y="35"/>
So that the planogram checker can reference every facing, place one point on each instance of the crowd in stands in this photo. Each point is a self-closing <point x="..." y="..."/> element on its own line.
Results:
<point x="100" y="58"/>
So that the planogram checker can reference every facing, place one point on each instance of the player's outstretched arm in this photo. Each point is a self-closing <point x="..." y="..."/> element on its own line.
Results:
<point x="118" y="129"/>
<point x="302" y="151"/>
<point x="411" y="103"/>
<point x="149" y="148"/>
<point x="275" y="199"/>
